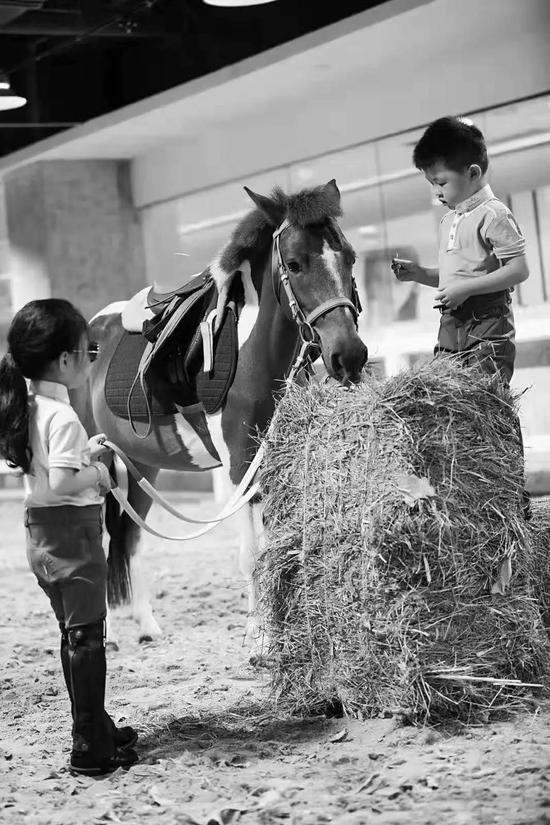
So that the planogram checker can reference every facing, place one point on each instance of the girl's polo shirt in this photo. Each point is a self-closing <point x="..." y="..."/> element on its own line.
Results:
<point x="57" y="439"/>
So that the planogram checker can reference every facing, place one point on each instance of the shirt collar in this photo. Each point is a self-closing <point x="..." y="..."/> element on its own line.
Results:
<point x="481" y="196"/>
<point x="51" y="389"/>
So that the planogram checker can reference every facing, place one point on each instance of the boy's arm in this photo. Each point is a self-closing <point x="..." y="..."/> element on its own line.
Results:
<point x="514" y="271"/>
<point x="506" y="242"/>
<point x="408" y="271"/>
<point x="458" y="289"/>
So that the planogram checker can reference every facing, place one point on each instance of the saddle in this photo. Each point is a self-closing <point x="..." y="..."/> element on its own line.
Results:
<point x="190" y="347"/>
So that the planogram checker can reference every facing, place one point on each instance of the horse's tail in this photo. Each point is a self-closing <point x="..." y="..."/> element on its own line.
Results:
<point x="119" y="588"/>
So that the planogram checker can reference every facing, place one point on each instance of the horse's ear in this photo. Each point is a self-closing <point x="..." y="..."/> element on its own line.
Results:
<point x="271" y="209"/>
<point x="333" y="193"/>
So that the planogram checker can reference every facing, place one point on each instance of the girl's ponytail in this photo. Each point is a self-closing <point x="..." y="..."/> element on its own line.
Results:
<point x="38" y="334"/>
<point x="14" y="415"/>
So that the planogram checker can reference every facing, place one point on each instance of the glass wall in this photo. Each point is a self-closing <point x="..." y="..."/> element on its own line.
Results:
<point x="388" y="209"/>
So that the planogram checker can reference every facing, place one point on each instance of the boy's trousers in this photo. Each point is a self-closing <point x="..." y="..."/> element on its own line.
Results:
<point x="482" y="329"/>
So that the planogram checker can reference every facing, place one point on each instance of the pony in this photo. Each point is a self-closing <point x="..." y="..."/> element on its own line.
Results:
<point x="287" y="240"/>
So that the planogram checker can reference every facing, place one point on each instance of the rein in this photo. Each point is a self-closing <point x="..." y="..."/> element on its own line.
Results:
<point x="246" y="490"/>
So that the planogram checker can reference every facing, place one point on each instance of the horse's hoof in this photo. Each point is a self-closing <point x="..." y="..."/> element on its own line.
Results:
<point x="145" y="638"/>
<point x="112" y="646"/>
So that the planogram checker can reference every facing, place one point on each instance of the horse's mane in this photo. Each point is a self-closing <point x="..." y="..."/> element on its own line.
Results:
<point x="254" y="231"/>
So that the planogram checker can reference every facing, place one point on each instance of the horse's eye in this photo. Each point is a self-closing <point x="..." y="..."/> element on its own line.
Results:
<point x="293" y="266"/>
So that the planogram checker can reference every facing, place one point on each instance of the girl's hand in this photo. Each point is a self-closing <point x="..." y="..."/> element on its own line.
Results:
<point x="453" y="294"/>
<point x="97" y="446"/>
<point x="406" y="270"/>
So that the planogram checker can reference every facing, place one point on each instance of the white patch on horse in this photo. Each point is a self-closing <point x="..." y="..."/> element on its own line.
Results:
<point x="199" y="455"/>
<point x="215" y="428"/>
<point x="222" y="278"/>
<point x="330" y="259"/>
<point x="249" y="312"/>
<point x="142" y="612"/>
<point x="111" y="309"/>
<point x="249" y="519"/>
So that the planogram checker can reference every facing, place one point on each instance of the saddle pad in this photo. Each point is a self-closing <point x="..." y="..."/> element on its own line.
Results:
<point x="120" y="376"/>
<point x="213" y="386"/>
<point x="136" y="311"/>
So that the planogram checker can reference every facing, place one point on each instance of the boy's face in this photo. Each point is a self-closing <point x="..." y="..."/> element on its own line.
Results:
<point x="451" y="187"/>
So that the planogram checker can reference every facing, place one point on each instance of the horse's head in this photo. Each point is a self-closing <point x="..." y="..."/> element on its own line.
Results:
<point x="313" y="274"/>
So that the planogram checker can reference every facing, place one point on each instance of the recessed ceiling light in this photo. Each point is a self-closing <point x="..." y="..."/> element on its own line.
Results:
<point x="8" y="98"/>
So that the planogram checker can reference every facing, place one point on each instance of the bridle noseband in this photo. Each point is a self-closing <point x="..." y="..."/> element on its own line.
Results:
<point x="305" y="322"/>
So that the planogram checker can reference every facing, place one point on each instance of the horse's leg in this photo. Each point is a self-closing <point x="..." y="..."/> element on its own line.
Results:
<point x="126" y="540"/>
<point x="142" y="611"/>
<point x="251" y="545"/>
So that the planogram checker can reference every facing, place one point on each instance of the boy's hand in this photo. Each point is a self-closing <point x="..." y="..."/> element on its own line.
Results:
<point x="406" y="270"/>
<point x="97" y="446"/>
<point x="453" y="294"/>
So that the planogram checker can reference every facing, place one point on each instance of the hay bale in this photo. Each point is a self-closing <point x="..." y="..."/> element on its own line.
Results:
<point x="540" y="541"/>
<point x="390" y="512"/>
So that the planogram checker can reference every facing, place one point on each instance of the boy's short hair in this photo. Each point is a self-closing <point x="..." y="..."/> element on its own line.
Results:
<point x="452" y="141"/>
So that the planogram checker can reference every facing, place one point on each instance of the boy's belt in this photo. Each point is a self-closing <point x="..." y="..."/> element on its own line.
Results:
<point x="478" y="307"/>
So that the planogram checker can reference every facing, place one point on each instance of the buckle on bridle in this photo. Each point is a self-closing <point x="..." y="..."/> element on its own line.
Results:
<point x="307" y="333"/>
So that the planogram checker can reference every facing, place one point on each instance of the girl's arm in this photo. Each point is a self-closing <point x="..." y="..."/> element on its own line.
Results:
<point x="65" y="481"/>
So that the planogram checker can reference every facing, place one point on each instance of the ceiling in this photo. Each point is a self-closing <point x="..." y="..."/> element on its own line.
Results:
<point x="78" y="59"/>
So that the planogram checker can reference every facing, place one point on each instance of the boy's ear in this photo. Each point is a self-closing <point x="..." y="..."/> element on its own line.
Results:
<point x="475" y="171"/>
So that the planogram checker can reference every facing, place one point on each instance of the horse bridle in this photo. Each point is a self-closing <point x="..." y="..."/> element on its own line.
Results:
<point x="305" y="322"/>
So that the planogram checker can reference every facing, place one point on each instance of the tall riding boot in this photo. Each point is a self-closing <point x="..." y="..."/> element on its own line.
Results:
<point x="125" y="737"/>
<point x="94" y="750"/>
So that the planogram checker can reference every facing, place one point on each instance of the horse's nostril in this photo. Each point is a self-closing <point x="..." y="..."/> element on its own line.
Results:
<point x="336" y="363"/>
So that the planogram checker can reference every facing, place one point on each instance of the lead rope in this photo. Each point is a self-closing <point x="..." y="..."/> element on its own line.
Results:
<point x="243" y="494"/>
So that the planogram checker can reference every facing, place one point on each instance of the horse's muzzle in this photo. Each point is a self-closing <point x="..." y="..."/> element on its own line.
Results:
<point x="346" y="365"/>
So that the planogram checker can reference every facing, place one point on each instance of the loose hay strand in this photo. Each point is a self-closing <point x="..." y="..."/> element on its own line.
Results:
<point x="377" y="596"/>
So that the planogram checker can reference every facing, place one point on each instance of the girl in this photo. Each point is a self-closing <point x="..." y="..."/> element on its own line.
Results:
<point x="65" y="483"/>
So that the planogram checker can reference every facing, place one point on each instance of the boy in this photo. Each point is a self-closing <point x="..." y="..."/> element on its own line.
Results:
<point x="481" y="250"/>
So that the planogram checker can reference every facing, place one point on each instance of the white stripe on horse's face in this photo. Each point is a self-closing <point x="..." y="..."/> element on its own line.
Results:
<point x="330" y="259"/>
<point x="199" y="455"/>
<point x="332" y="264"/>
<point x="112" y="309"/>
